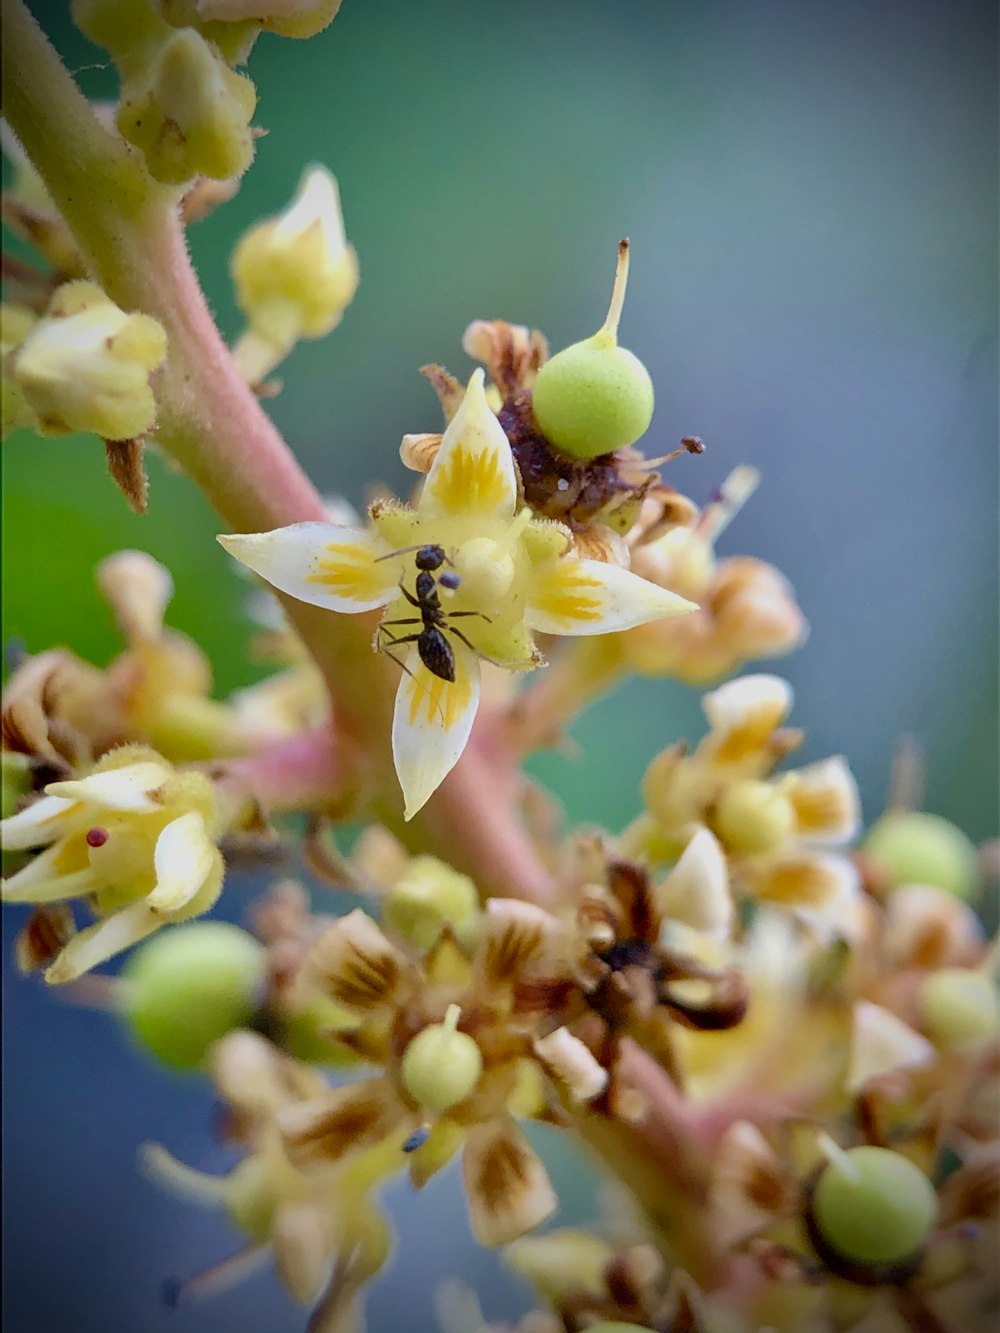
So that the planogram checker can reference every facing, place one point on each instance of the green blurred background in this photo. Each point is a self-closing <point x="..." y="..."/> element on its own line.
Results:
<point x="810" y="191"/>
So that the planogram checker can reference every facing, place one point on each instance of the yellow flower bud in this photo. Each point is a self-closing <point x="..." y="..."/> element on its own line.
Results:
<point x="16" y="322"/>
<point x="753" y="816"/>
<point x="441" y="1065"/>
<point x="189" y="113"/>
<point x="86" y="366"/>
<point x="428" y="897"/>
<point x="295" y="273"/>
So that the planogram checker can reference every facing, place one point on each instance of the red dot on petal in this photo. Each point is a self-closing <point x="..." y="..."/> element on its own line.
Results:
<point x="97" y="837"/>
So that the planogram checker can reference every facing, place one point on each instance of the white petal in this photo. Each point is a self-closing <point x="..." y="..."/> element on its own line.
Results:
<point x="102" y="941"/>
<point x="883" y="1043"/>
<point x="826" y="802"/>
<point x="320" y="563"/>
<point x="507" y="1186"/>
<point x="183" y="858"/>
<point x="431" y="724"/>
<point x="473" y="471"/>
<point x="125" y="788"/>
<point x="572" y="1065"/>
<point x="573" y="596"/>
<point x="43" y="880"/>
<point x="696" y="892"/>
<point x="760" y="698"/>
<point x="35" y="826"/>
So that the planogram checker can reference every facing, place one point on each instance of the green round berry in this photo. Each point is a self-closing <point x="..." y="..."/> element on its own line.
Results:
<point x="593" y="398"/>
<point x="189" y="986"/>
<point x="441" y="1065"/>
<point x="919" y="848"/>
<point x="874" y="1206"/>
<point x="959" y="1007"/>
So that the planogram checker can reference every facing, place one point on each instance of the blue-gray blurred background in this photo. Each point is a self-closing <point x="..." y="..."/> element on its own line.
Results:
<point x="811" y="195"/>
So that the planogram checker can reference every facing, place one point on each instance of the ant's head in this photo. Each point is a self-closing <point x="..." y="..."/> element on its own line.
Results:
<point x="430" y="557"/>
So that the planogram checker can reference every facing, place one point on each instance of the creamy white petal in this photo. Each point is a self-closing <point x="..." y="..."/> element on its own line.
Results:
<point x="102" y="941"/>
<point x="760" y="699"/>
<point x="127" y="788"/>
<point x="571" y="1065"/>
<point x="356" y="965"/>
<point x="183" y="857"/>
<point x="44" y="880"/>
<point x="506" y="1184"/>
<point x="576" y="597"/>
<point x="138" y="589"/>
<point x="473" y="470"/>
<point x="36" y="825"/>
<point x="303" y="1249"/>
<point x="320" y="563"/>
<point x="825" y="799"/>
<point x="696" y="892"/>
<point x="342" y="1121"/>
<point x="431" y="724"/>
<point x="882" y="1043"/>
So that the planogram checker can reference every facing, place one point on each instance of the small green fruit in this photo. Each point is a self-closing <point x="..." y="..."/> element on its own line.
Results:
<point x="873" y="1206"/>
<point x="959" y="1007"/>
<point x="919" y="848"/>
<point x="441" y="1065"/>
<point x="594" y="396"/>
<point x="188" y="987"/>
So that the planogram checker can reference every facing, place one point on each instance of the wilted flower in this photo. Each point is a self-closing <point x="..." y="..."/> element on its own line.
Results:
<point x="509" y="575"/>
<point x="135" y="838"/>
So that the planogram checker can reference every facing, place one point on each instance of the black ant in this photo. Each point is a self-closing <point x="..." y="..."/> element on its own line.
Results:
<point x="435" y="651"/>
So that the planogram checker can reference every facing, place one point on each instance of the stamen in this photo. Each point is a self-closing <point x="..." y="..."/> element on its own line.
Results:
<point x="732" y="495"/>
<point x="513" y="533"/>
<point x="97" y="837"/>
<point x="214" y="1281"/>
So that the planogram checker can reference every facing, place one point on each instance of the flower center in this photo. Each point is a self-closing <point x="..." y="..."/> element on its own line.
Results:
<point x="487" y="571"/>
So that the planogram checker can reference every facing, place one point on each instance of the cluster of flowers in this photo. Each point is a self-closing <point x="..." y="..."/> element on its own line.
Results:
<point x="786" y="1050"/>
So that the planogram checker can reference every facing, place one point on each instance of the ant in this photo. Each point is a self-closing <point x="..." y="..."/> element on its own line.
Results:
<point x="435" y="651"/>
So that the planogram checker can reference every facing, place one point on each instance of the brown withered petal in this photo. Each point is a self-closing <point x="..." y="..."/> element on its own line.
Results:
<point x="255" y="1078"/>
<point x="724" y="1005"/>
<point x="354" y="963"/>
<point x="343" y="1121"/>
<point x="303" y="1251"/>
<point x="599" y="542"/>
<point x="507" y="1187"/>
<point x="449" y="390"/>
<point x="629" y="885"/>
<point x="59" y="708"/>
<point x="515" y="936"/>
<point x="511" y="353"/>
<point x="749" y="1188"/>
<point x="419" y="451"/>
<point x="128" y="471"/>
<point x="39" y="942"/>
<point x="204" y="196"/>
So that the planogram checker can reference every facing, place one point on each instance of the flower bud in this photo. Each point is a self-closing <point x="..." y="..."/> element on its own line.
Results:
<point x="189" y="113"/>
<point x="428" y="897"/>
<point x="295" y="273"/>
<point x="959" y="1008"/>
<point x="16" y="322"/>
<point x="441" y="1065"/>
<point x="86" y="366"/>
<point x="919" y="848"/>
<point x="754" y="816"/>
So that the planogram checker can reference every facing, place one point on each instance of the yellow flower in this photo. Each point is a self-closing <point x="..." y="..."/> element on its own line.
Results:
<point x="493" y="574"/>
<point x="135" y="837"/>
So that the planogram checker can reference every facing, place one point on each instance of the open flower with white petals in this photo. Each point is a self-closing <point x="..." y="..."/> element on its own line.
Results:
<point x="495" y="576"/>
<point x="779" y="831"/>
<point x="135" y="838"/>
<point x="461" y="1048"/>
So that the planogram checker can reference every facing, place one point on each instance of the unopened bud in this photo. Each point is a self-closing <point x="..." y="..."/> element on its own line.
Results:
<point x="959" y="1008"/>
<point x="189" y="113"/>
<point x="86" y="366"/>
<point x="915" y="847"/>
<point x="295" y="273"/>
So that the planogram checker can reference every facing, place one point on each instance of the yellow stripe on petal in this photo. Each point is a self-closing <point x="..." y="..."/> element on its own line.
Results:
<point x="473" y="471"/>
<point x="573" y="596"/>
<point x="431" y="724"/>
<point x="320" y="563"/>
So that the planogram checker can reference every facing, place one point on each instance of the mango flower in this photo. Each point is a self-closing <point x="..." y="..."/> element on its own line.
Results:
<point x="467" y="574"/>
<point x="135" y="837"/>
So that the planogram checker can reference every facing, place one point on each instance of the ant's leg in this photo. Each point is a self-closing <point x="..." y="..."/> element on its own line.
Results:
<point x="481" y="614"/>
<point x="485" y="657"/>
<point x="409" y="597"/>
<point x="408" y="620"/>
